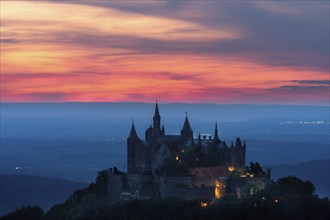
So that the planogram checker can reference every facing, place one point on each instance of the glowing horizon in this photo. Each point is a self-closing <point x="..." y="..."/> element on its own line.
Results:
<point x="174" y="52"/>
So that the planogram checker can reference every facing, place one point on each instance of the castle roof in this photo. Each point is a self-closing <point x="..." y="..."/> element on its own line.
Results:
<point x="172" y="137"/>
<point x="133" y="134"/>
<point x="216" y="136"/>
<point x="157" y="111"/>
<point x="186" y="125"/>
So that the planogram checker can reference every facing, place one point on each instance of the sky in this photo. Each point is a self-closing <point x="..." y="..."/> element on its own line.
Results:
<point x="223" y="52"/>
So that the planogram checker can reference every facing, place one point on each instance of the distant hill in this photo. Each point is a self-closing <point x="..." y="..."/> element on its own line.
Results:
<point x="317" y="171"/>
<point x="142" y="111"/>
<point x="17" y="190"/>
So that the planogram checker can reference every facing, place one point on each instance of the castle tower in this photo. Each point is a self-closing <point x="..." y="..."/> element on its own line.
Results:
<point x="238" y="154"/>
<point x="156" y="118"/>
<point x="133" y="135"/>
<point x="238" y="142"/>
<point x="186" y="131"/>
<point x="132" y="142"/>
<point x="216" y="134"/>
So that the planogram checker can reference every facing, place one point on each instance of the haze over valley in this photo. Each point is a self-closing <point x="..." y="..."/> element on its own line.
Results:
<point x="74" y="141"/>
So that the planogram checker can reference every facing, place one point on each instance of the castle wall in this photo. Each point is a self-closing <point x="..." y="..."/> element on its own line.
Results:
<point x="116" y="183"/>
<point x="234" y="183"/>
<point x="203" y="181"/>
<point x="209" y="171"/>
<point x="185" y="188"/>
<point x="204" y="194"/>
<point x="190" y="187"/>
<point x="138" y="182"/>
<point x="260" y="182"/>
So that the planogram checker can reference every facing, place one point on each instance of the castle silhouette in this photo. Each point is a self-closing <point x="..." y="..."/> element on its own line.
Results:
<point x="144" y="157"/>
<point x="182" y="166"/>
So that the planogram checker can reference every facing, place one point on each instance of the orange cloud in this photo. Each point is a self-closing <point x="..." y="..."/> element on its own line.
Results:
<point x="71" y="52"/>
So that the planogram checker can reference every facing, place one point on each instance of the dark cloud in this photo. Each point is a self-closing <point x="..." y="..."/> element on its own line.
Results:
<point x="298" y="39"/>
<point x="321" y="82"/>
<point x="274" y="36"/>
<point x="175" y="76"/>
<point x="44" y="75"/>
<point x="263" y="52"/>
<point x="300" y="89"/>
<point x="8" y="40"/>
<point x="49" y="96"/>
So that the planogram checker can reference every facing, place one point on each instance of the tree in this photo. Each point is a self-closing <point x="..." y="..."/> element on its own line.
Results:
<point x="293" y="186"/>
<point x="254" y="168"/>
<point x="26" y="213"/>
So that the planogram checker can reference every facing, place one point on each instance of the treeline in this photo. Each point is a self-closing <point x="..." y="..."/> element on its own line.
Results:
<point x="288" y="198"/>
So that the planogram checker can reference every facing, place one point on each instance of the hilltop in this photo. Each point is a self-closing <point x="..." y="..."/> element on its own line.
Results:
<point x="287" y="198"/>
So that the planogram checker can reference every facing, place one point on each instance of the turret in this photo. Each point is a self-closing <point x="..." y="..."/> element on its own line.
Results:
<point x="238" y="142"/>
<point x="133" y="135"/>
<point x="216" y="135"/>
<point x="186" y="132"/>
<point x="133" y="142"/>
<point x="156" y="118"/>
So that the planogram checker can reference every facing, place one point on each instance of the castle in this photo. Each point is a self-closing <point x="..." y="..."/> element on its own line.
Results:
<point x="183" y="166"/>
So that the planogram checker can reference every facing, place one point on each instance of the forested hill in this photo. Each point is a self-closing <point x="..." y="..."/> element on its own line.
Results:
<point x="286" y="199"/>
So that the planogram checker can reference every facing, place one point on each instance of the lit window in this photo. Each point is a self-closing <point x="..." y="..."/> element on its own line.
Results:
<point x="231" y="168"/>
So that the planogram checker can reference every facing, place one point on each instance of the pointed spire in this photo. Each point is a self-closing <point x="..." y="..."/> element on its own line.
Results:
<point x="133" y="134"/>
<point x="156" y="119"/>
<point x="186" y="131"/>
<point x="244" y="145"/>
<point x="216" y="135"/>
<point x="156" y="110"/>
<point x="186" y="125"/>
<point x="232" y="144"/>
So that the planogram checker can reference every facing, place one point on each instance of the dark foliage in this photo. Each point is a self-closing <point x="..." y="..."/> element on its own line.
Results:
<point x="26" y="213"/>
<point x="289" y="199"/>
<point x="254" y="168"/>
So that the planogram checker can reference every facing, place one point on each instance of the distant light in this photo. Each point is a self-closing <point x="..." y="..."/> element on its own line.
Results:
<point x="203" y="204"/>
<point x="231" y="168"/>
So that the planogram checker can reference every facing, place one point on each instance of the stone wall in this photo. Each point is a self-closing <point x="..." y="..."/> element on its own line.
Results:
<point x="116" y="183"/>
<point x="138" y="181"/>
<point x="187" y="187"/>
<point x="209" y="171"/>
<point x="260" y="182"/>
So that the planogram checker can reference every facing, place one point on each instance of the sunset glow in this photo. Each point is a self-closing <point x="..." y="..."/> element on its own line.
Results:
<point x="201" y="52"/>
